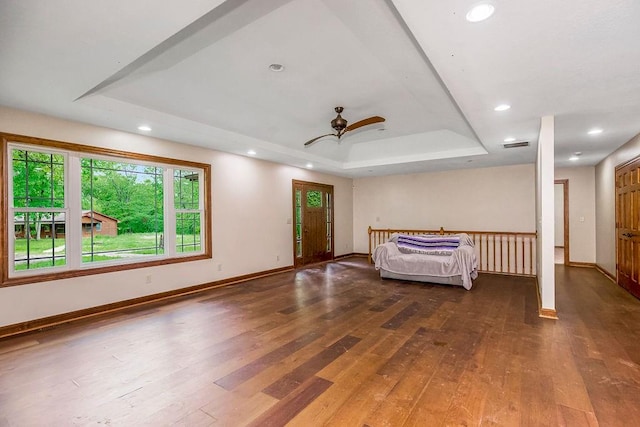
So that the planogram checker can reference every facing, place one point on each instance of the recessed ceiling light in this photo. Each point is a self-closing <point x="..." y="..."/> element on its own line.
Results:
<point x="251" y="152"/>
<point x="309" y="166"/>
<point x="595" y="131"/>
<point x="502" y="107"/>
<point x="574" y="158"/>
<point x="510" y="139"/>
<point x="276" y="68"/>
<point x="578" y="153"/>
<point x="480" y="12"/>
<point x="144" y="128"/>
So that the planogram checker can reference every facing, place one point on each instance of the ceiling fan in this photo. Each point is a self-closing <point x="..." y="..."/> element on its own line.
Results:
<point x="340" y="126"/>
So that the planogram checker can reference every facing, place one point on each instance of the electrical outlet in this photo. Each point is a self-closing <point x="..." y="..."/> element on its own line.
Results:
<point x="148" y="279"/>
<point x="219" y="267"/>
<point x="277" y="257"/>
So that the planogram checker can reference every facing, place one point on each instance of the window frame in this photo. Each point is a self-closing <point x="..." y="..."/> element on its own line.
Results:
<point x="29" y="209"/>
<point x="73" y="269"/>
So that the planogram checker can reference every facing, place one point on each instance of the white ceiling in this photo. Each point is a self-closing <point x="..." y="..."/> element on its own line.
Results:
<point x="197" y="72"/>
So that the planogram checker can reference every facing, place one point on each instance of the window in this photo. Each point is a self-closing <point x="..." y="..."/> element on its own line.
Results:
<point x="329" y="226"/>
<point x="38" y="198"/>
<point x="298" y="210"/>
<point x="187" y="204"/>
<point x="314" y="199"/>
<point x="74" y="210"/>
<point x="128" y="197"/>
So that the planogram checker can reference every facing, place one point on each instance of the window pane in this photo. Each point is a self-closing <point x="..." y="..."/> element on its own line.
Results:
<point x="38" y="179"/>
<point x="328" y="222"/>
<point x="314" y="199"/>
<point x="187" y="232"/>
<point x="186" y="189"/>
<point x="122" y="210"/>
<point x="39" y="240"/>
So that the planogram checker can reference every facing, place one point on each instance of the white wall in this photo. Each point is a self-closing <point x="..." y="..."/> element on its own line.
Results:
<point x="582" y="212"/>
<point x="487" y="199"/>
<point x="558" y="216"/>
<point x="251" y="203"/>
<point x="605" y="203"/>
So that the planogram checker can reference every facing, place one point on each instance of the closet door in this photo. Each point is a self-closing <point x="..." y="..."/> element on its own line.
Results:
<point x="628" y="226"/>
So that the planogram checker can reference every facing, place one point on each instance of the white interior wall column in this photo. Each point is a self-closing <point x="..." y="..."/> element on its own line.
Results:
<point x="545" y="196"/>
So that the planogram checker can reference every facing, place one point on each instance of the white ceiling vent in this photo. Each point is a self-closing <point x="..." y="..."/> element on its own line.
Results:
<point x="516" y="144"/>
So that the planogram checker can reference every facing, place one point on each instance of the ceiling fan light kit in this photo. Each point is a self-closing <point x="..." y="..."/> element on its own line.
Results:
<point x="339" y="124"/>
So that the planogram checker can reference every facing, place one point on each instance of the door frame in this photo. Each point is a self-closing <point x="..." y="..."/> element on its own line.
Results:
<point x="565" y="202"/>
<point x="299" y="261"/>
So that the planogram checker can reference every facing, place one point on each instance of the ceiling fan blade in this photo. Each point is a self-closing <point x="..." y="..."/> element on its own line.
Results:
<point x="311" y="141"/>
<point x="365" y="122"/>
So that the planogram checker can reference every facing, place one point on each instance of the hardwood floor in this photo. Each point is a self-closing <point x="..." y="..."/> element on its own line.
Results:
<point x="333" y="344"/>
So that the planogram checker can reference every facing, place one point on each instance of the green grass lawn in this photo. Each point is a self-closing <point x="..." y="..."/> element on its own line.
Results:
<point x="42" y="246"/>
<point x="132" y="244"/>
<point x="142" y="243"/>
<point x="39" y="264"/>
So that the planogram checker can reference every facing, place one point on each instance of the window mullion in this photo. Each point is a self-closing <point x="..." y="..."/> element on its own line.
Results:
<point x="170" y="214"/>
<point x="73" y="229"/>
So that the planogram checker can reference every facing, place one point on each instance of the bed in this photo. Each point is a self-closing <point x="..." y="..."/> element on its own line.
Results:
<point x="447" y="260"/>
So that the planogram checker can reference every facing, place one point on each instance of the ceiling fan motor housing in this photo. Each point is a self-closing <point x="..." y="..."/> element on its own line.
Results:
<point x="339" y="124"/>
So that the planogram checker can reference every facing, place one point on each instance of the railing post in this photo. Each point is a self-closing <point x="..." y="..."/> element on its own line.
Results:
<point x="369" y="257"/>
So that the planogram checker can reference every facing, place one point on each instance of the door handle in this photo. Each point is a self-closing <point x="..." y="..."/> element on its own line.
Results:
<point x="629" y="235"/>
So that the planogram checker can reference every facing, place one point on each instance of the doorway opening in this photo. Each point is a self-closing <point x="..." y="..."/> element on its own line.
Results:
<point x="313" y="222"/>
<point x="561" y="221"/>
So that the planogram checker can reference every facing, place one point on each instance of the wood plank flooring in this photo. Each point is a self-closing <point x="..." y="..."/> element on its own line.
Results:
<point x="336" y="345"/>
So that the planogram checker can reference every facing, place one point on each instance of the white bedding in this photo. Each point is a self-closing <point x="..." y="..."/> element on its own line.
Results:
<point x="462" y="262"/>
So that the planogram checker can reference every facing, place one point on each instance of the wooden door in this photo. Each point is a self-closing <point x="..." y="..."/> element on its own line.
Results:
<point x="313" y="224"/>
<point x="627" y="226"/>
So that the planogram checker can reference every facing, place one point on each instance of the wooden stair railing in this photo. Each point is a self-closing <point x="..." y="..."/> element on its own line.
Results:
<point x="501" y="252"/>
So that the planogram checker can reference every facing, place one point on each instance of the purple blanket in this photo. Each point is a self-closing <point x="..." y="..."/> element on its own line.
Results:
<point x="426" y="244"/>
